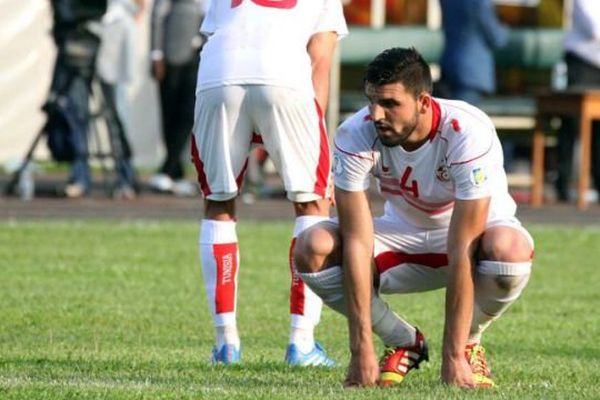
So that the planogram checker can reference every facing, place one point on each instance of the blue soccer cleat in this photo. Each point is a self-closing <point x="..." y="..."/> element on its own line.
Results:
<point x="316" y="357"/>
<point x="228" y="354"/>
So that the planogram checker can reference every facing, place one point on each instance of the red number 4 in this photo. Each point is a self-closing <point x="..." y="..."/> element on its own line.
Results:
<point x="285" y="4"/>
<point x="414" y="188"/>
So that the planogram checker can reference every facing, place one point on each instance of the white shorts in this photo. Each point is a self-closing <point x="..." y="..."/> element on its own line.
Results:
<point x="291" y="127"/>
<point x="410" y="259"/>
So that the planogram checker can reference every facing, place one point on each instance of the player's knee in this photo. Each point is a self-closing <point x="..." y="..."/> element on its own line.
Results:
<point x="314" y="247"/>
<point x="505" y="244"/>
<point x="314" y="207"/>
<point x="220" y="210"/>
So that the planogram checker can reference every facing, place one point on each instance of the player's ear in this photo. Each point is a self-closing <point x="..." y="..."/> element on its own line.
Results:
<point x="424" y="102"/>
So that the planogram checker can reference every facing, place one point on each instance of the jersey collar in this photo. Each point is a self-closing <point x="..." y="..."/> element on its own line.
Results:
<point x="435" y="118"/>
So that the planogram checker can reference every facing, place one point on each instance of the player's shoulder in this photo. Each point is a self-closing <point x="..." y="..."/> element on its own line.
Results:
<point x="465" y="127"/>
<point x="356" y="134"/>
<point x="461" y="117"/>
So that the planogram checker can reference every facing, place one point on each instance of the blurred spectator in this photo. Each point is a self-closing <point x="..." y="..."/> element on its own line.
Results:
<point x="116" y="68"/>
<point x="472" y="32"/>
<point x="582" y="56"/>
<point x="358" y="12"/>
<point x="77" y="32"/>
<point x="67" y="104"/>
<point x="175" y="43"/>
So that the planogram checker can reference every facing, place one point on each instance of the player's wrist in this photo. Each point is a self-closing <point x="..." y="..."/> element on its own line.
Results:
<point x="157" y="55"/>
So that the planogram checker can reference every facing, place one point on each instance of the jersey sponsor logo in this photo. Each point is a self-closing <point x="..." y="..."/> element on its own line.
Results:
<point x="478" y="176"/>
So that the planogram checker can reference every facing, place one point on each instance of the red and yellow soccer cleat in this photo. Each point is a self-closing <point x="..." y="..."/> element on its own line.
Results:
<point x="475" y="355"/>
<point x="397" y="361"/>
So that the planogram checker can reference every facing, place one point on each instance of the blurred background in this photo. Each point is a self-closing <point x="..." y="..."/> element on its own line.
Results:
<point x="530" y="63"/>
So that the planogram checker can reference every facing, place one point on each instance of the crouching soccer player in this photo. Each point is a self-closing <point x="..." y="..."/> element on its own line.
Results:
<point x="449" y="222"/>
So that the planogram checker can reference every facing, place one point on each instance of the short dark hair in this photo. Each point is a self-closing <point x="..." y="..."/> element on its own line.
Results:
<point x="404" y="65"/>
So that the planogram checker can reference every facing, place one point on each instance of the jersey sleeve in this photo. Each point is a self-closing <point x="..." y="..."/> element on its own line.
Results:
<point x="332" y="19"/>
<point x="209" y="25"/>
<point x="472" y="158"/>
<point x="353" y="158"/>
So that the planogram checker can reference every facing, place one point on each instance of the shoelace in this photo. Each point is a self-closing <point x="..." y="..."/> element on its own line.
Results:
<point x="476" y="358"/>
<point x="388" y="352"/>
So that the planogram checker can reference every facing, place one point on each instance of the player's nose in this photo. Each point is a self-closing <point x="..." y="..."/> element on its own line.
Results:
<point x="376" y="112"/>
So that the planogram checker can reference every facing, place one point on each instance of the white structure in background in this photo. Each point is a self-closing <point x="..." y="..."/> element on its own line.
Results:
<point x="26" y="61"/>
<point x="27" y="55"/>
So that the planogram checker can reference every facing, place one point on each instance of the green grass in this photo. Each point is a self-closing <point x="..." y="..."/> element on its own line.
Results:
<point x="117" y="310"/>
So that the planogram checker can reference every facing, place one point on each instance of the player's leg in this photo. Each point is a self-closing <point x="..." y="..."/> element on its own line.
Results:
<point x="305" y="305"/>
<point x="405" y="262"/>
<point x="295" y="137"/>
<point x="319" y="262"/>
<point x="220" y="147"/>
<point x="503" y="269"/>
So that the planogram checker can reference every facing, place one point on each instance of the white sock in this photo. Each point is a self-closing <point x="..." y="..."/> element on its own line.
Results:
<point x="392" y="329"/>
<point x="497" y="286"/>
<point x="227" y="334"/>
<point x="305" y="305"/>
<point x="219" y="256"/>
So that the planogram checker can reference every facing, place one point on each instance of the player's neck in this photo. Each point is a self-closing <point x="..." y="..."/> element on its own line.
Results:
<point x="421" y="134"/>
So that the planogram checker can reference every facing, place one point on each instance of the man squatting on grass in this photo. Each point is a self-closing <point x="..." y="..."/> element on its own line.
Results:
<point x="449" y="222"/>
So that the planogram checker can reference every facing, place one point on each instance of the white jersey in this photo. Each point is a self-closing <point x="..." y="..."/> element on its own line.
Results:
<point x="245" y="44"/>
<point x="461" y="160"/>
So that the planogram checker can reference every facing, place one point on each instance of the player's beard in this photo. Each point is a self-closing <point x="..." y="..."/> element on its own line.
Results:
<point x="396" y="138"/>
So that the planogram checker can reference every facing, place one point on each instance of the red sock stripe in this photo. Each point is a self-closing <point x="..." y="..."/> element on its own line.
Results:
<point x="297" y="288"/>
<point x="324" y="166"/>
<point x="227" y="264"/>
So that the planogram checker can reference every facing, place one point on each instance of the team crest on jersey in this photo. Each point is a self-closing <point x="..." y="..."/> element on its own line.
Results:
<point x="442" y="173"/>
<point x="478" y="176"/>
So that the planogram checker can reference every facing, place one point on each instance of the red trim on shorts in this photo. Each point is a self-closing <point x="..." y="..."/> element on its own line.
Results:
<point x="324" y="166"/>
<point x="390" y="259"/>
<point x="227" y="264"/>
<point x="202" y="181"/>
<point x="240" y="178"/>
<point x="297" y="288"/>
<point x="256" y="138"/>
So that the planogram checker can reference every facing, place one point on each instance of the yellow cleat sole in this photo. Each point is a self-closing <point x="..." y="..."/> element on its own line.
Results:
<point x="483" y="382"/>
<point x="390" y="379"/>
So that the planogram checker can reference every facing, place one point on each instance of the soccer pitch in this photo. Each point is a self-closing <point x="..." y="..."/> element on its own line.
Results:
<point x="117" y="310"/>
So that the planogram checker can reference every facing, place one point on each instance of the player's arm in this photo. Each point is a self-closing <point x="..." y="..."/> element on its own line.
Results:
<point x="320" y="49"/>
<point x="160" y="9"/>
<point x="356" y="230"/>
<point x="466" y="227"/>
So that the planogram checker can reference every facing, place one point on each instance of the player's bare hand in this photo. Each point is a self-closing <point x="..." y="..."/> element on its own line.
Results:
<point x="457" y="372"/>
<point x="362" y="371"/>
<point x="159" y="70"/>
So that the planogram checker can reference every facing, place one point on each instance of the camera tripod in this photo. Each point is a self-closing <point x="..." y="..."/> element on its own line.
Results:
<point x="103" y="139"/>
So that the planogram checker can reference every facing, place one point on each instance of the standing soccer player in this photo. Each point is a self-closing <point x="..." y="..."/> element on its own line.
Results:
<point x="449" y="222"/>
<point x="263" y="75"/>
